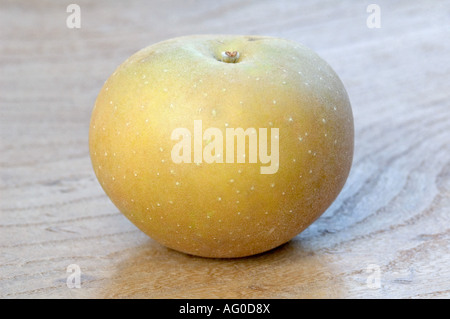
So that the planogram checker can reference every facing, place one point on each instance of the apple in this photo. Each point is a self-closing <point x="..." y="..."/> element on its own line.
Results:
<point x="222" y="145"/>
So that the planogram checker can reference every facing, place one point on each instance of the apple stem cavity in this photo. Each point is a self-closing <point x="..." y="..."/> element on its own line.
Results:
<point x="230" y="56"/>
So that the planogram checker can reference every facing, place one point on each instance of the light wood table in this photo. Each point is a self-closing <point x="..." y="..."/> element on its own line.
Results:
<point x="391" y="221"/>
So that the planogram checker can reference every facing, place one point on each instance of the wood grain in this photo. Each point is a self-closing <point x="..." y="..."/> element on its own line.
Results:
<point x="394" y="211"/>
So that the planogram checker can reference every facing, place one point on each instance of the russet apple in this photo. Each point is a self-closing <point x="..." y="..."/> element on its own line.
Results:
<point x="222" y="145"/>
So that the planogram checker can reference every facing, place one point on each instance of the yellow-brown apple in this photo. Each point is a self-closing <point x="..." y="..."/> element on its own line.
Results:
<point x="158" y="142"/>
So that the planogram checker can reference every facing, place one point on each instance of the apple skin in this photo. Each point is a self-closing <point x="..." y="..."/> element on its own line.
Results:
<point x="222" y="210"/>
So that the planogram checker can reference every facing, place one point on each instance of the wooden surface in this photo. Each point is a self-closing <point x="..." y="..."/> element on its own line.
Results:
<point x="393" y="214"/>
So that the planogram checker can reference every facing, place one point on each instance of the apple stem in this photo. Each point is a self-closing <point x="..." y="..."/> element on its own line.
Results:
<point x="230" y="56"/>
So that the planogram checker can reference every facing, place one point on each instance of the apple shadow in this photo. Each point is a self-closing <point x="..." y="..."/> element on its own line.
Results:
<point x="288" y="271"/>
